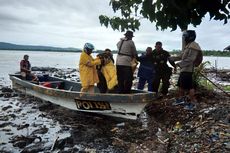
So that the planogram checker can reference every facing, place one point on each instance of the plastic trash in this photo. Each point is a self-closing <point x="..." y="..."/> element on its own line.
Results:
<point x="214" y="137"/>
<point x="159" y="133"/>
<point x="177" y="127"/>
<point x="120" y="124"/>
<point x="227" y="145"/>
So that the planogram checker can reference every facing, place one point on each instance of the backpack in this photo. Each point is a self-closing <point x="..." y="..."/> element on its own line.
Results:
<point x="199" y="58"/>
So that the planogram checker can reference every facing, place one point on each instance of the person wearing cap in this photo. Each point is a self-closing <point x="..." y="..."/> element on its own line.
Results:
<point x="25" y="69"/>
<point x="163" y="71"/>
<point x="87" y="69"/>
<point x="126" y="53"/>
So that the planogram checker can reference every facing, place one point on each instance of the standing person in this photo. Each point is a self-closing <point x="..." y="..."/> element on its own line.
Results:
<point x="87" y="69"/>
<point x="185" y="81"/>
<point x="106" y="72"/>
<point x="25" y="69"/>
<point x="163" y="71"/>
<point x="126" y="53"/>
<point x="146" y="71"/>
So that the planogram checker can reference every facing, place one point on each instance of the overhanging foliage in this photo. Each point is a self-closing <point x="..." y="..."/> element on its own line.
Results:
<point x="165" y="13"/>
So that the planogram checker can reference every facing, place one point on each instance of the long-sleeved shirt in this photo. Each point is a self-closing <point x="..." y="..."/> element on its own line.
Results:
<point x="188" y="57"/>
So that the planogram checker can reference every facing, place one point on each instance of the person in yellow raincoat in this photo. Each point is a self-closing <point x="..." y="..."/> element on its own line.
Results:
<point x="107" y="72"/>
<point x="110" y="73"/>
<point x="87" y="68"/>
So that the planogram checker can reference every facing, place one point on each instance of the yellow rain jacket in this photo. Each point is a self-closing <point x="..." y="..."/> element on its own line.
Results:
<point x="110" y="74"/>
<point x="87" y="69"/>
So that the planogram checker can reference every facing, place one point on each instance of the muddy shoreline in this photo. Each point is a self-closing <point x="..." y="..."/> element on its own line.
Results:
<point x="28" y="124"/>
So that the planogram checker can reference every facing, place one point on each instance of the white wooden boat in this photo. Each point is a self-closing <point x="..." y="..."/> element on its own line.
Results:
<point x="67" y="94"/>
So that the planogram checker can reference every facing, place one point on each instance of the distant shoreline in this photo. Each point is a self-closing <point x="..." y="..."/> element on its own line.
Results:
<point x="205" y="52"/>
<point x="4" y="46"/>
<point x="16" y="47"/>
<point x="41" y="50"/>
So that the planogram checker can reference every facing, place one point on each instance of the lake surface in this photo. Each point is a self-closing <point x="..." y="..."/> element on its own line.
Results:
<point x="9" y="61"/>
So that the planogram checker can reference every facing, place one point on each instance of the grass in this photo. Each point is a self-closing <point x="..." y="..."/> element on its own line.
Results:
<point x="227" y="88"/>
<point x="206" y="84"/>
<point x="203" y="82"/>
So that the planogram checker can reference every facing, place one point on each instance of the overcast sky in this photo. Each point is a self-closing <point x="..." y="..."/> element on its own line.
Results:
<point x="71" y="23"/>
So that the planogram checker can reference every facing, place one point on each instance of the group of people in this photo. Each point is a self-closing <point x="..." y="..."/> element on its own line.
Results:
<point x="153" y="69"/>
<point x="100" y="70"/>
<point x="103" y="71"/>
<point x="111" y="76"/>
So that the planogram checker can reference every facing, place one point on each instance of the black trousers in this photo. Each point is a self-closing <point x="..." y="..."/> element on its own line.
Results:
<point x="186" y="81"/>
<point x="124" y="78"/>
<point x="102" y="85"/>
<point x="164" y="77"/>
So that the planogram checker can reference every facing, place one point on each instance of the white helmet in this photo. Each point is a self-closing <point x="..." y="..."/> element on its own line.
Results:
<point x="88" y="47"/>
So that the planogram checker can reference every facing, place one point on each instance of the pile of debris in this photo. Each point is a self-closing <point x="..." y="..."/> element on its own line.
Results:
<point x="207" y="128"/>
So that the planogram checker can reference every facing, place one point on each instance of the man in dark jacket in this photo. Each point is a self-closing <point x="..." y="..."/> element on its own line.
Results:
<point x="146" y="71"/>
<point x="163" y="71"/>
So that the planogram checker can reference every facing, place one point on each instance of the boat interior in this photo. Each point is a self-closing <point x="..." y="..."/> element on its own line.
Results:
<point x="59" y="83"/>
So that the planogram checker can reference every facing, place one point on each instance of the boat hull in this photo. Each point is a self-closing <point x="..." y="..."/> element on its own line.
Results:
<point x="118" y="105"/>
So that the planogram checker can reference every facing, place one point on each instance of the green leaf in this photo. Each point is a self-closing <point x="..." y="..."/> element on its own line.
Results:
<point x="166" y="13"/>
<point x="158" y="5"/>
<point x="104" y="20"/>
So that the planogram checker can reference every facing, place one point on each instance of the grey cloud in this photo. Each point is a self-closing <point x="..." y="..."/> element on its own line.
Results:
<point x="11" y="16"/>
<point x="52" y="11"/>
<point x="73" y="22"/>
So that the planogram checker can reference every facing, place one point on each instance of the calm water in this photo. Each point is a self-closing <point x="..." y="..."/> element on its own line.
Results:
<point x="9" y="61"/>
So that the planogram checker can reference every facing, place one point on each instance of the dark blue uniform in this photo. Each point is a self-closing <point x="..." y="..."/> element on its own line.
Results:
<point x="146" y="72"/>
